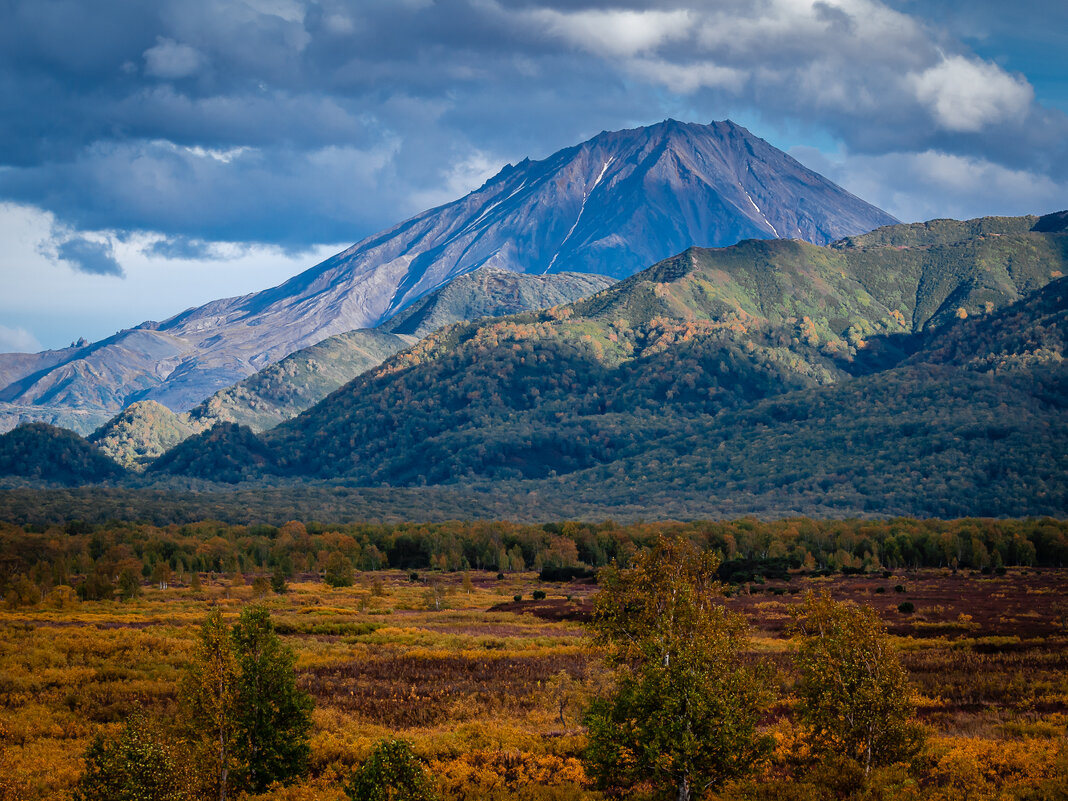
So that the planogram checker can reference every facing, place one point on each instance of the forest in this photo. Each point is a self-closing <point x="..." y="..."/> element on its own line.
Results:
<point x="483" y="659"/>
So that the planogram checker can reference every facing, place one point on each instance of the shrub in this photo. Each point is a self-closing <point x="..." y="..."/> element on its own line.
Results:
<point x="391" y="773"/>
<point x="556" y="573"/>
<point x="140" y="763"/>
<point x="538" y="595"/>
<point x="517" y="598"/>
<point x="906" y="607"/>
<point x="899" y="588"/>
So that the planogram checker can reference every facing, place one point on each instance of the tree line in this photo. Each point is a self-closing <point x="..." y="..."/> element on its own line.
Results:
<point x="104" y="560"/>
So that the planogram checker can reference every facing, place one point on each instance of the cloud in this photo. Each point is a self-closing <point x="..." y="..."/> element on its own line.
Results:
<point x="181" y="248"/>
<point x="616" y="32"/>
<point x="89" y="256"/>
<point x="968" y="95"/>
<point x="17" y="340"/>
<point x="290" y="122"/>
<point x="171" y="60"/>
<point x="687" y="78"/>
<point x="930" y="184"/>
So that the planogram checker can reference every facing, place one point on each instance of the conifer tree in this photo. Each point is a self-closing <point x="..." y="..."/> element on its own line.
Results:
<point x="273" y="715"/>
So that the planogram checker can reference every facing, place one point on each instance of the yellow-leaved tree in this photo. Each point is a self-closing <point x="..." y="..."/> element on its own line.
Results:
<point x="855" y="699"/>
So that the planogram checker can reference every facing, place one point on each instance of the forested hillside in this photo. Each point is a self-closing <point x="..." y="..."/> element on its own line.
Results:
<point x="872" y="376"/>
<point x="41" y="452"/>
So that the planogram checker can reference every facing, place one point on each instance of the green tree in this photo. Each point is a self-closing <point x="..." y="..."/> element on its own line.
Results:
<point x="855" y="700"/>
<point x="129" y="584"/>
<point x="209" y="695"/>
<point x="274" y="715"/>
<point x="338" y="570"/>
<point x="391" y="773"/>
<point x="684" y="712"/>
<point x="242" y="701"/>
<point x="140" y="764"/>
<point x="278" y="580"/>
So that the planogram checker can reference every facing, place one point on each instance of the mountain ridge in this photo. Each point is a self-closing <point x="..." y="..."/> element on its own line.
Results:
<point x="706" y="333"/>
<point x="145" y="429"/>
<point x="611" y="205"/>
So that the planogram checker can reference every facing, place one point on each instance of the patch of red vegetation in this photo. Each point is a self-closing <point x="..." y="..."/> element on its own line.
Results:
<point x="550" y="608"/>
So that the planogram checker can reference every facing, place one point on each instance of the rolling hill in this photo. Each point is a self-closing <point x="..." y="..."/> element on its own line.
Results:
<point x="771" y="375"/>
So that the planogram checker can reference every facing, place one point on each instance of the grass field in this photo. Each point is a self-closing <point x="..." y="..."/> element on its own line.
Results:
<point x="490" y="691"/>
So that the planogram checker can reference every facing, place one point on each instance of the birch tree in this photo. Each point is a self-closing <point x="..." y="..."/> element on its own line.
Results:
<point x="209" y="696"/>
<point x="855" y="699"/>
<point x="684" y="712"/>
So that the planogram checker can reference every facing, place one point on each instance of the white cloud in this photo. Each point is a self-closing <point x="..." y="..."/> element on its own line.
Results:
<point x="930" y="184"/>
<point x="686" y="78"/>
<point x="171" y="60"/>
<point x="616" y="32"/>
<point x="17" y="340"/>
<point x="966" y="95"/>
<point x="464" y="176"/>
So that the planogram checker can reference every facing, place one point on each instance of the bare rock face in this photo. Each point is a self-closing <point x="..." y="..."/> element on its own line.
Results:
<point x="612" y="205"/>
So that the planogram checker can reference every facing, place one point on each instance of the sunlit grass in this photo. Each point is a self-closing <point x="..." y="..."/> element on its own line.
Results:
<point x="473" y="688"/>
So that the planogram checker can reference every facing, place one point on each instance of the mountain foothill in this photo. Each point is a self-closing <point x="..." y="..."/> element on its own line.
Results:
<point x="912" y="369"/>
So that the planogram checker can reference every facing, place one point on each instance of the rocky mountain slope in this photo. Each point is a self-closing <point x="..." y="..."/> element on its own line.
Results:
<point x="720" y="370"/>
<point x="145" y="429"/>
<point x="612" y="205"/>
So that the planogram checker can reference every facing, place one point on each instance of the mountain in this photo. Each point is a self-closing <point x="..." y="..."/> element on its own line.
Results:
<point x="140" y="434"/>
<point x="715" y="372"/>
<point x="302" y="379"/>
<point x="491" y="292"/>
<point x="611" y="205"/>
<point x="145" y="429"/>
<point x="41" y="452"/>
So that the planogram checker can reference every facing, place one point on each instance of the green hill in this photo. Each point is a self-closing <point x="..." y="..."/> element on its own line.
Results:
<point x="143" y="431"/>
<point x="226" y="452"/>
<point x="300" y="380"/>
<point x="42" y="452"/>
<point x="772" y="375"/>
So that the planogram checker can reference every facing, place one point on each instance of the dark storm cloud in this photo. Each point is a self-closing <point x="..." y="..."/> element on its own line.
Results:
<point x="88" y="256"/>
<point x="291" y="121"/>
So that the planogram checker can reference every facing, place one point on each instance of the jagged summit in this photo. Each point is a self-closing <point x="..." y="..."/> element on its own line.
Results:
<point x="611" y="205"/>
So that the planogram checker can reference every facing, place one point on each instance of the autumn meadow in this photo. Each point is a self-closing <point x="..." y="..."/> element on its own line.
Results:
<point x="488" y="674"/>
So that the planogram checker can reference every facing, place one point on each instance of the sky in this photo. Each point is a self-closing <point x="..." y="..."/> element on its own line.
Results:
<point x="158" y="155"/>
